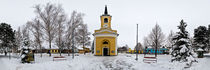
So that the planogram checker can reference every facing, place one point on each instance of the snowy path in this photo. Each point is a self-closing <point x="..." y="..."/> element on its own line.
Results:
<point x="8" y="64"/>
<point x="204" y="63"/>
<point x="3" y="67"/>
<point x="90" y="62"/>
<point x="116" y="64"/>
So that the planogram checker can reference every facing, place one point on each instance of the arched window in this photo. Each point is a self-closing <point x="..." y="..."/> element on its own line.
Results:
<point x="105" y="42"/>
<point x="105" y="20"/>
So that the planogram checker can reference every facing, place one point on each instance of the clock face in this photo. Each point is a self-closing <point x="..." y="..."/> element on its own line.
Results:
<point x="105" y="25"/>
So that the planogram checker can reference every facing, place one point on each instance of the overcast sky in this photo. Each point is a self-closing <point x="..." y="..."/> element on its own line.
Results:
<point x="125" y="14"/>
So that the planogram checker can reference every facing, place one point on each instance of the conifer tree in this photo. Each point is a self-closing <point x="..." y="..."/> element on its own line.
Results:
<point x="7" y="37"/>
<point x="200" y="38"/>
<point x="181" y="50"/>
<point x="208" y="35"/>
<point x="25" y="51"/>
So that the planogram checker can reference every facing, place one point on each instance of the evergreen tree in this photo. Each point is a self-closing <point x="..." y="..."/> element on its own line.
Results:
<point x="181" y="50"/>
<point x="7" y="36"/>
<point x="200" y="38"/>
<point x="25" y="51"/>
<point x="208" y="35"/>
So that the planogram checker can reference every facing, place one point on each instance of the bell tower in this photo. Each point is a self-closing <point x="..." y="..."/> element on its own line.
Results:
<point x="106" y="20"/>
<point x="105" y="39"/>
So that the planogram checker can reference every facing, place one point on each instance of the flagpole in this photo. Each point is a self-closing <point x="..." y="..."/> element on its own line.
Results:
<point x="137" y="44"/>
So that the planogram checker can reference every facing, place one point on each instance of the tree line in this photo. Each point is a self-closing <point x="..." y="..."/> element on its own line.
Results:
<point x="182" y="47"/>
<point x="156" y="38"/>
<point x="53" y="27"/>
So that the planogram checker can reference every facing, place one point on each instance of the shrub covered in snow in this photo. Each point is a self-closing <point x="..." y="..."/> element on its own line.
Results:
<point x="25" y="52"/>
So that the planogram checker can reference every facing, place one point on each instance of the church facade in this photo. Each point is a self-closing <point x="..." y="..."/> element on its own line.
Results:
<point x="105" y="39"/>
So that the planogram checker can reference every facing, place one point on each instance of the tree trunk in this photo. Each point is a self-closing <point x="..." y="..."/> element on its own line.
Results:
<point x="156" y="43"/>
<point x="84" y="44"/>
<point x="69" y="49"/>
<point x="41" y="52"/>
<point x="60" y="51"/>
<point x="50" y="48"/>
<point x="60" y="43"/>
<point x="40" y="49"/>
<point x="73" y="44"/>
<point x="5" y="53"/>
<point x="9" y="53"/>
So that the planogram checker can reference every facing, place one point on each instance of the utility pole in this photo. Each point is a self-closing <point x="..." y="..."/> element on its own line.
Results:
<point x="137" y="44"/>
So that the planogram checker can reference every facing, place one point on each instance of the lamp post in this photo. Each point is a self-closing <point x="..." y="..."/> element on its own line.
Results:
<point x="137" y="43"/>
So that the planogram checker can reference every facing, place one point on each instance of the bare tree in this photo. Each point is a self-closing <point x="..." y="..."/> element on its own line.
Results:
<point x="83" y="38"/>
<point x="36" y="29"/>
<point x="25" y="33"/>
<point x="60" y="29"/>
<point x="49" y="15"/>
<point x="18" y="37"/>
<point x="156" y="37"/>
<point x="75" y="21"/>
<point x="169" y="39"/>
<point x="147" y="42"/>
<point x="68" y="36"/>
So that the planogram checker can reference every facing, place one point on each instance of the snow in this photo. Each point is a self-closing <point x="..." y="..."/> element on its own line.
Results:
<point x="200" y="49"/>
<point x="185" y="40"/>
<point x="183" y="48"/>
<point x="207" y="54"/>
<point x="90" y="62"/>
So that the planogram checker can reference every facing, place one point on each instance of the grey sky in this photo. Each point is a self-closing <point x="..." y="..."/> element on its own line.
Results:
<point x="125" y="14"/>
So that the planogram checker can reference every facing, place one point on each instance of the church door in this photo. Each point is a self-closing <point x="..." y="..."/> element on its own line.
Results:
<point x="105" y="51"/>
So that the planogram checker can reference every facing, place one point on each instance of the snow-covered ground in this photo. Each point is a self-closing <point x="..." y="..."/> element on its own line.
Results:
<point x="90" y="62"/>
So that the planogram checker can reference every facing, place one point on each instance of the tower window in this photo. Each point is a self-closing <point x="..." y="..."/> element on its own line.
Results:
<point x="105" y="42"/>
<point x="105" y="20"/>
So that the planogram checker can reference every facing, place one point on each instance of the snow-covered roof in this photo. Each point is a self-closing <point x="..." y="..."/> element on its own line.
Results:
<point x="149" y="47"/>
<point x="0" y="41"/>
<point x="200" y="49"/>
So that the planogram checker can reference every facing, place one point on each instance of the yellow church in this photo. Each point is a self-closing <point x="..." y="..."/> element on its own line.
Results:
<point x="105" y="39"/>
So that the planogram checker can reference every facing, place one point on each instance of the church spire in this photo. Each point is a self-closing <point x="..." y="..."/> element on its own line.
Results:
<point x="106" y="12"/>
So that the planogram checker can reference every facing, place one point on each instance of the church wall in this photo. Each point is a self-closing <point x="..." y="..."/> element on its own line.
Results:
<point x="99" y="45"/>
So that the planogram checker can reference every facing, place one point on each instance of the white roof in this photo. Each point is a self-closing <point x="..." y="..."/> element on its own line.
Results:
<point x="200" y="49"/>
